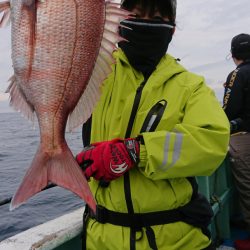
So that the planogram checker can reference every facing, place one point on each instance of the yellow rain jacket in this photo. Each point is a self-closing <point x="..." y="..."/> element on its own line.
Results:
<point x="191" y="139"/>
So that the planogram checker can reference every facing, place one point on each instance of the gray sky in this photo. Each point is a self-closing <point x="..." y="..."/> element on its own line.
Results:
<point x="202" y="40"/>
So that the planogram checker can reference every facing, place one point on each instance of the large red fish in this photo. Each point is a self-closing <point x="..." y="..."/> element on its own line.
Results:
<point x="61" y="53"/>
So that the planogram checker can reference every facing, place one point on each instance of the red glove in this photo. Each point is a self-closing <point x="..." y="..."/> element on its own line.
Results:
<point x="109" y="160"/>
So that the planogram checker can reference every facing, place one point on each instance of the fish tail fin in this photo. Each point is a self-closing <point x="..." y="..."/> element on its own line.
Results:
<point x="60" y="169"/>
<point x="5" y="9"/>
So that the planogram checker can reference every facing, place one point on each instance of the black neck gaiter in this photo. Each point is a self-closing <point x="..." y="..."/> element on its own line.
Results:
<point x="148" y="42"/>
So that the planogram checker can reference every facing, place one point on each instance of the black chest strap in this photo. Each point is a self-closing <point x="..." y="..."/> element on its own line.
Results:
<point x="136" y="220"/>
<point x="197" y="212"/>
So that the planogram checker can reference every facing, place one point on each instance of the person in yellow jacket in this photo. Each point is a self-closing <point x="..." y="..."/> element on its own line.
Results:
<point x="155" y="128"/>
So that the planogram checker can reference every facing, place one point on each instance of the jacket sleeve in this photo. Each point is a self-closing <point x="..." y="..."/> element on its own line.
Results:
<point x="195" y="147"/>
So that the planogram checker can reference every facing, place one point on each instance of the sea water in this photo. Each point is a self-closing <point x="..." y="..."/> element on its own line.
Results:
<point x="19" y="140"/>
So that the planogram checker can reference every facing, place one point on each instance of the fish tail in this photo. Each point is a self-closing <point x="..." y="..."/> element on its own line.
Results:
<point x="60" y="169"/>
<point x="5" y="8"/>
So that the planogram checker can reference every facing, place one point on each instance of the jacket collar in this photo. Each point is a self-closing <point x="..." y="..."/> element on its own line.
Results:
<point x="244" y="63"/>
<point x="166" y="68"/>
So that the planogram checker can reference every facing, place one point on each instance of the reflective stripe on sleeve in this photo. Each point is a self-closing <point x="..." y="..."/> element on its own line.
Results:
<point x="166" y="164"/>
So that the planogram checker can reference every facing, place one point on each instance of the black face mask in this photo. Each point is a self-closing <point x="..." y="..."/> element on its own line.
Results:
<point x="148" y="42"/>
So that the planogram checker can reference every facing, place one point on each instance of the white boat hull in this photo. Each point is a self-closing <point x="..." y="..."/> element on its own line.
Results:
<point x="47" y="236"/>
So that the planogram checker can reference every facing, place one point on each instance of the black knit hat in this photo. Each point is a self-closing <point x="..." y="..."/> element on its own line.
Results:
<point x="165" y="7"/>
<point x="240" y="47"/>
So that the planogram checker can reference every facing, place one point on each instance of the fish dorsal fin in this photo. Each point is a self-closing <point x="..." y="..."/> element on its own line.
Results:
<point x="5" y="9"/>
<point x="85" y="106"/>
<point x="18" y="100"/>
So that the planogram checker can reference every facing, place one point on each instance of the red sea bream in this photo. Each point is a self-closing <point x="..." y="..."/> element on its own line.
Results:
<point x="61" y="53"/>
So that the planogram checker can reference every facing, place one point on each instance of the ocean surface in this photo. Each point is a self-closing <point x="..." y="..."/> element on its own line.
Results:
<point x="19" y="140"/>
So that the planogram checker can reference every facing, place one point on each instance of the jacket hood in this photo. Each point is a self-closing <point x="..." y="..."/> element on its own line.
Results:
<point x="166" y="68"/>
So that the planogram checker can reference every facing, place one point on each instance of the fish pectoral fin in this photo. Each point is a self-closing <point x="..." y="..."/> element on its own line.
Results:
<point x="102" y="68"/>
<point x="19" y="101"/>
<point x="5" y="9"/>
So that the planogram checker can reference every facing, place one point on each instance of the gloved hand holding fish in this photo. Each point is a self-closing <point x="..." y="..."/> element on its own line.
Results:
<point x="61" y="53"/>
<point x="109" y="160"/>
